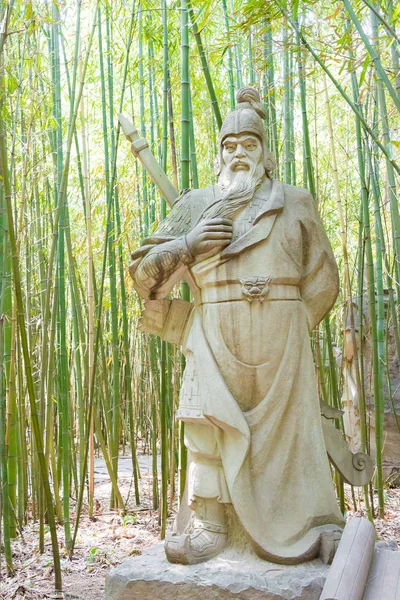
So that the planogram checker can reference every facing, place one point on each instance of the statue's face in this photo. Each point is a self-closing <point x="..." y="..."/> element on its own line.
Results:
<point x="242" y="151"/>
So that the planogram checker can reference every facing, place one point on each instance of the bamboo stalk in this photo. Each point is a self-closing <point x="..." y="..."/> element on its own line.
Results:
<point x="5" y="512"/>
<point x="27" y="362"/>
<point x="205" y="66"/>
<point x="64" y="414"/>
<point x="371" y="299"/>
<point x="379" y="70"/>
<point x="273" y="132"/>
<point x="287" y="118"/>
<point x="230" y="57"/>
<point x="394" y="204"/>
<point x="352" y="104"/>
<point x="185" y="182"/>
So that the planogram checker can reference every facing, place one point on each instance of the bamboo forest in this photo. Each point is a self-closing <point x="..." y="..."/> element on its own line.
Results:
<point x="83" y="390"/>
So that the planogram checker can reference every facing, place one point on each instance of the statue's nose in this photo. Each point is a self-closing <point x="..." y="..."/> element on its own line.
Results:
<point x="240" y="153"/>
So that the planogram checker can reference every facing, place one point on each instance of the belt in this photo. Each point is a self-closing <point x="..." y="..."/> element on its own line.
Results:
<point x="253" y="289"/>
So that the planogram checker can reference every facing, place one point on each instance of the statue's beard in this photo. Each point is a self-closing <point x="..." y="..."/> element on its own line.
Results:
<point x="237" y="186"/>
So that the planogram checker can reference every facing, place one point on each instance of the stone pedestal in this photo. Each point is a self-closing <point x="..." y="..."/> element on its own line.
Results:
<point x="232" y="574"/>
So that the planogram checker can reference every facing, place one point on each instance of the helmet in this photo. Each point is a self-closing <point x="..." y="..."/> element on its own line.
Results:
<point x="247" y="117"/>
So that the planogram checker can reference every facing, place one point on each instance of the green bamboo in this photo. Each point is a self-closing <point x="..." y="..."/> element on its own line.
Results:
<point x="114" y="447"/>
<point x="63" y="384"/>
<point x="205" y="66"/>
<point x="5" y="19"/>
<point x="165" y="463"/>
<point x="185" y="98"/>
<point x="154" y="393"/>
<point x="371" y="300"/>
<point x="291" y="119"/>
<point x="380" y="305"/>
<point x="110" y="468"/>
<point x="309" y="182"/>
<point x="238" y="55"/>
<point x="152" y="105"/>
<point x="5" y="512"/>
<point x="29" y="379"/>
<point x="230" y="57"/>
<point x="379" y="327"/>
<point x="4" y="495"/>
<point x="142" y="121"/>
<point x="8" y="365"/>
<point x="185" y="183"/>
<point x="287" y="117"/>
<point x="252" y="73"/>
<point x="192" y="144"/>
<point x="312" y="188"/>
<point x="172" y="136"/>
<point x="387" y="25"/>
<point x="128" y="373"/>
<point x="11" y="421"/>
<point x="351" y="103"/>
<point x="59" y="208"/>
<point x="379" y="70"/>
<point x="394" y="203"/>
<point x="112" y="258"/>
<point x="270" y="72"/>
<point x="49" y="436"/>
<point x="394" y="51"/>
<point x="80" y="349"/>
<point x="164" y="151"/>
<point x="348" y="289"/>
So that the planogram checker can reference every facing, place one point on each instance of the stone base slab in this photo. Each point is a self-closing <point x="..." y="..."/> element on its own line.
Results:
<point x="232" y="574"/>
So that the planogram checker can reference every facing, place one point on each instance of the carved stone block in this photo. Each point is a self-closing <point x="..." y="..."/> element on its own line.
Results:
<point x="231" y="575"/>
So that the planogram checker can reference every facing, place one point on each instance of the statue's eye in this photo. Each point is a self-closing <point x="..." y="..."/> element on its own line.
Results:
<point x="230" y="147"/>
<point x="250" y="145"/>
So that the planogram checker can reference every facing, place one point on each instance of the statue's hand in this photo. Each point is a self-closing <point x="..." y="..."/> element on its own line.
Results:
<point x="209" y="237"/>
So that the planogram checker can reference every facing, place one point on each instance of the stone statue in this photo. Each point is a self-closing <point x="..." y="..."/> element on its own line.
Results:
<point x="262" y="274"/>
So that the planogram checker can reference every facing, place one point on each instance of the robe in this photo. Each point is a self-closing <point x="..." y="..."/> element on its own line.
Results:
<point x="250" y="371"/>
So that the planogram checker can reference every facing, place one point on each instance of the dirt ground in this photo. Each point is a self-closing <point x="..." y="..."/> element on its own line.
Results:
<point x="109" y="538"/>
<point x="102" y="543"/>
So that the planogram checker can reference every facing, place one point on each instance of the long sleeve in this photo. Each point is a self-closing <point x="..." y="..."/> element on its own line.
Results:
<point x="320" y="280"/>
<point x="163" y="258"/>
<point x="156" y="268"/>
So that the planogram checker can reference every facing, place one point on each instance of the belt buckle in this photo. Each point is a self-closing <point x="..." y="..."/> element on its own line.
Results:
<point x="255" y="288"/>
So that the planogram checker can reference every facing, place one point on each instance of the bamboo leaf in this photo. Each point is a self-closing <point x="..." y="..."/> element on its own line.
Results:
<point x="334" y="14"/>
<point x="11" y="83"/>
<point x="295" y="9"/>
<point x="396" y="13"/>
<point x="29" y="11"/>
<point x="367" y="62"/>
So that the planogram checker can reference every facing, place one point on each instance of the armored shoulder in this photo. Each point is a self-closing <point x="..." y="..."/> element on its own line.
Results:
<point x="300" y="204"/>
<point x="184" y="214"/>
<point x="297" y="195"/>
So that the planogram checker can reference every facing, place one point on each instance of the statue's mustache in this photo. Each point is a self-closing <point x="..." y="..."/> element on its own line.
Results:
<point x="240" y="162"/>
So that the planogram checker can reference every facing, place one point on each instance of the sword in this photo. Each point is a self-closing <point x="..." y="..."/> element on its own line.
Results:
<point x="140" y="149"/>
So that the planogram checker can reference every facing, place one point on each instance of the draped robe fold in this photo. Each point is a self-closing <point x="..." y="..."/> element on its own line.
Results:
<point x="254" y="368"/>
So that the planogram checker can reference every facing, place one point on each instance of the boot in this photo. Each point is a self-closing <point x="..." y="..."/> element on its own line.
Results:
<point x="208" y="538"/>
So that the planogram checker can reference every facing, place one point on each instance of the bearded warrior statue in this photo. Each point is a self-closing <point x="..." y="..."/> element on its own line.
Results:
<point x="262" y="274"/>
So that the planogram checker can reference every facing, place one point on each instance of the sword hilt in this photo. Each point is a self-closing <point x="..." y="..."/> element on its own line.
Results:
<point x="140" y="149"/>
